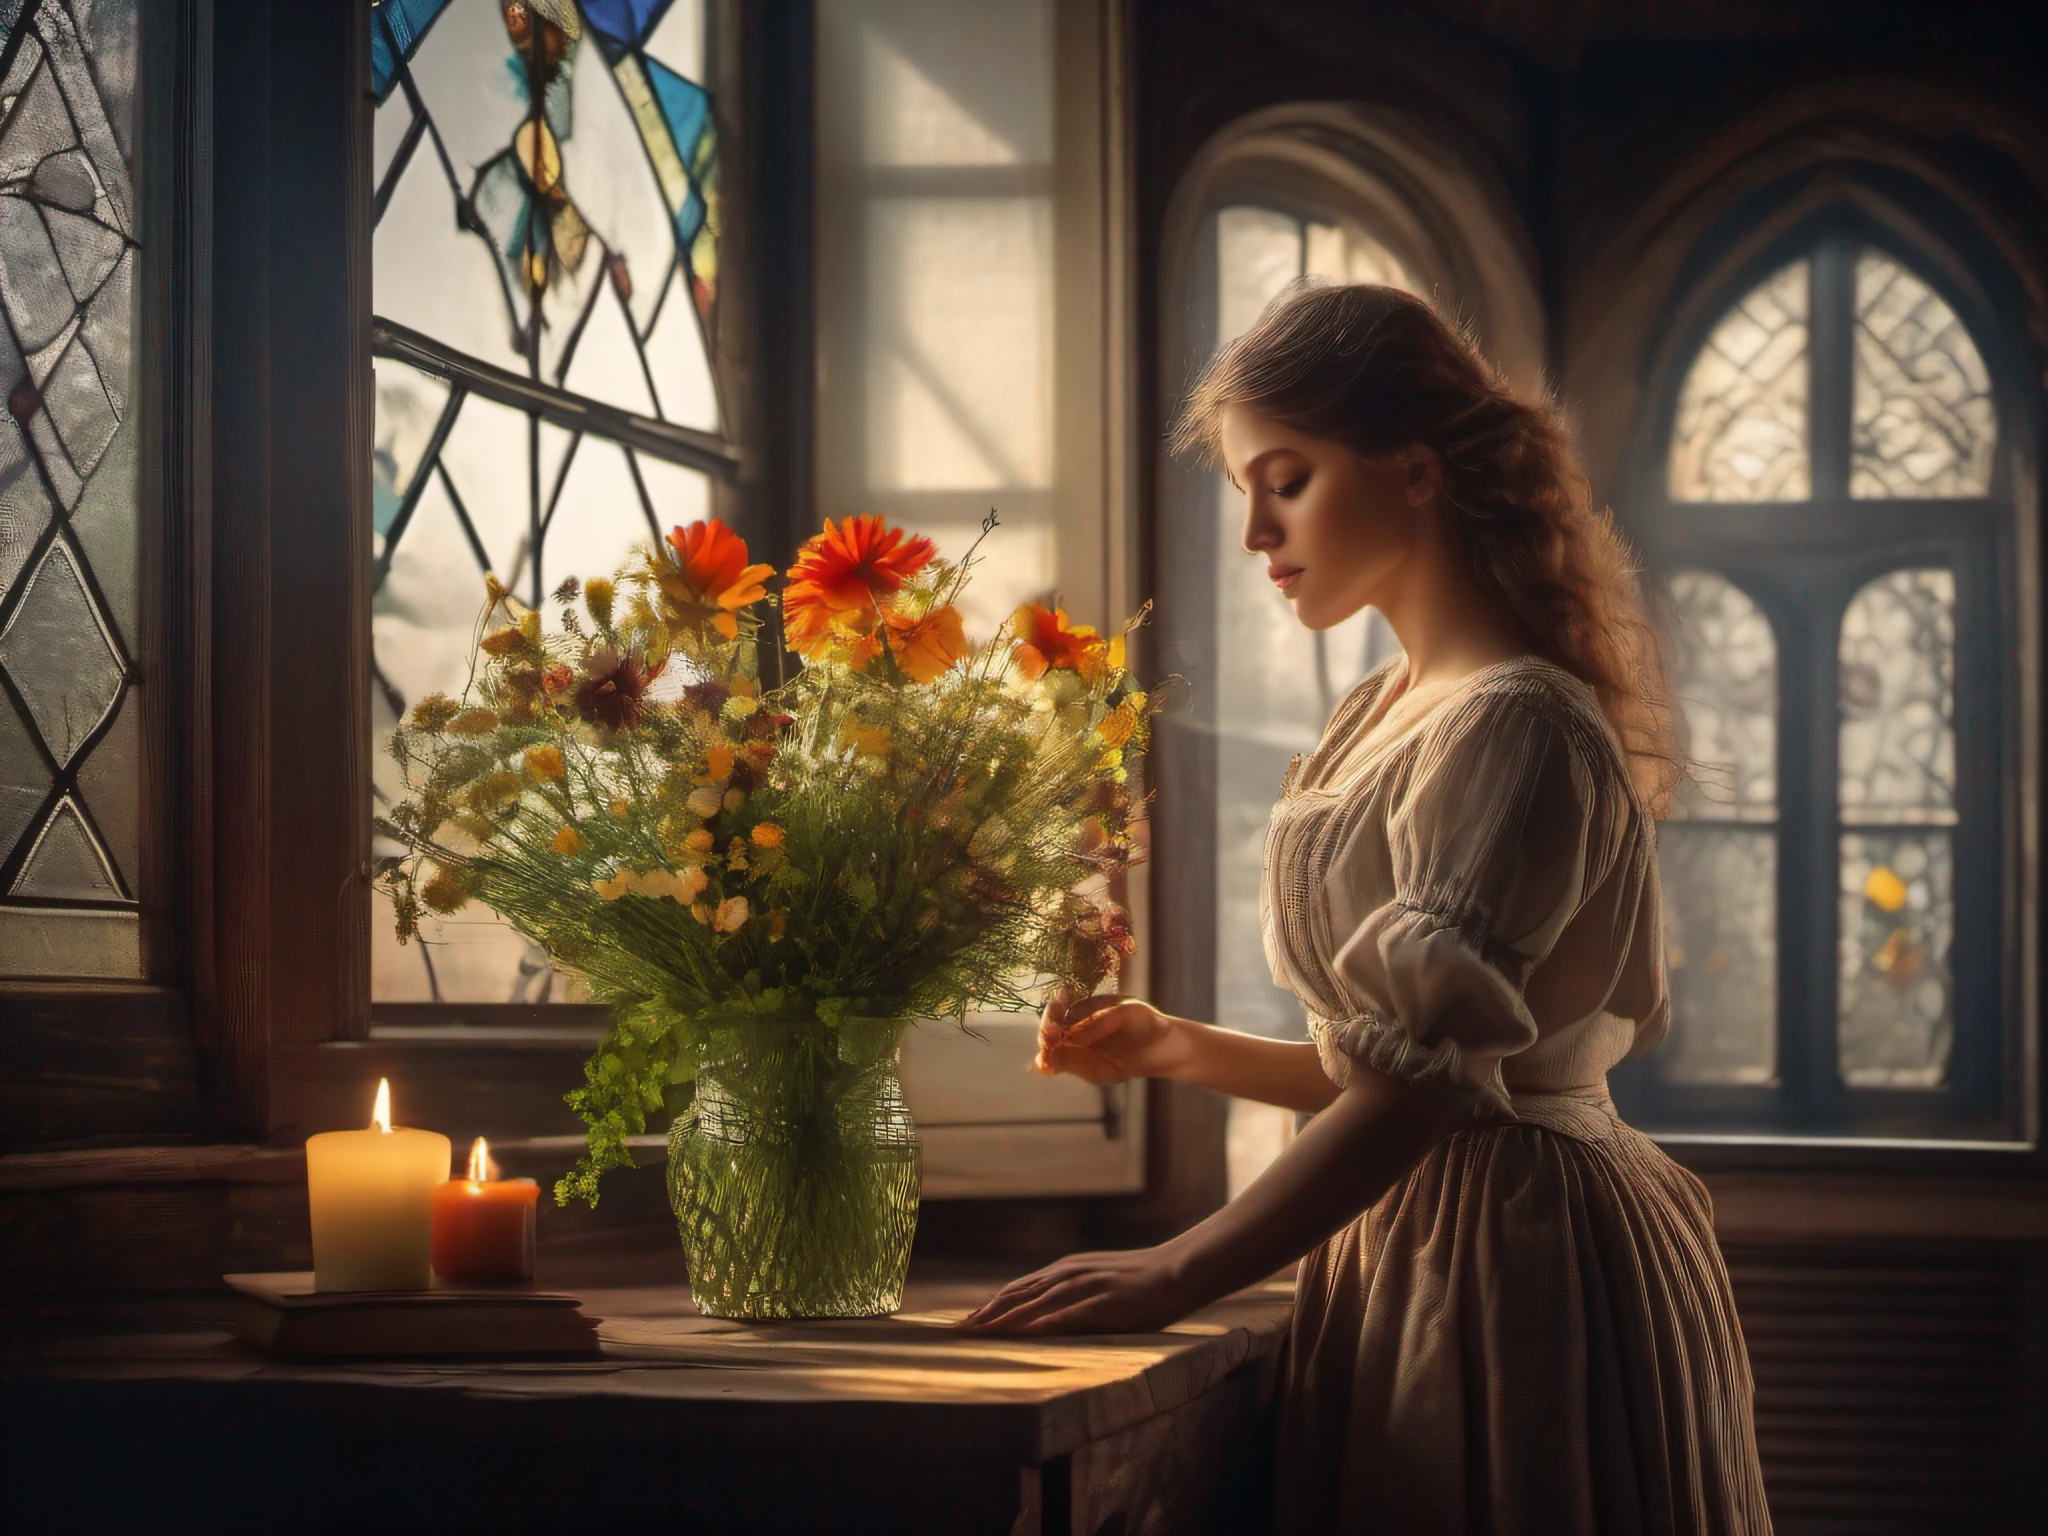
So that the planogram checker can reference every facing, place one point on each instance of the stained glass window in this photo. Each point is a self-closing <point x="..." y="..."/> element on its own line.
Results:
<point x="1924" y="424"/>
<point x="69" y="715"/>
<point x="1847" y="391"/>
<point x="1719" y="852"/>
<point x="1898" y="791"/>
<point x="545" y="282"/>
<point x="1741" y="429"/>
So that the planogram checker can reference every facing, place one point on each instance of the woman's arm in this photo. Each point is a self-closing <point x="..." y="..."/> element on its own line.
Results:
<point x="1108" y="1039"/>
<point x="1374" y="1135"/>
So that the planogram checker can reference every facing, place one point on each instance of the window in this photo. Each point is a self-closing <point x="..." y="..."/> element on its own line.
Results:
<point x="1832" y="508"/>
<point x="71" y="614"/>
<point x="546" y="290"/>
<point x="969" y="357"/>
<point x="1275" y="202"/>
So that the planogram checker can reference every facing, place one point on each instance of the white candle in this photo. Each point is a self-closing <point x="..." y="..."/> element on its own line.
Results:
<point x="372" y="1196"/>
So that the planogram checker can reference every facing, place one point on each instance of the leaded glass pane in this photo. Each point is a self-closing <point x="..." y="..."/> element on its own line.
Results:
<point x="1924" y="422"/>
<point x="548" y="187"/>
<point x="1720" y="887"/>
<point x="1725" y="680"/>
<point x="69" y="771"/>
<point x="1741" y="429"/>
<point x="1897" y="1012"/>
<point x="1897" y="680"/>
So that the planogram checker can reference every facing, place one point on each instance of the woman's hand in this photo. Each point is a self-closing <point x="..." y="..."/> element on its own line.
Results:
<point x="1135" y="1292"/>
<point x="1106" y="1039"/>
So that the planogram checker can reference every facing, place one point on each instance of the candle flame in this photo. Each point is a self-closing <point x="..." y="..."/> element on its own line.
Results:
<point x="479" y="1162"/>
<point x="380" y="1117"/>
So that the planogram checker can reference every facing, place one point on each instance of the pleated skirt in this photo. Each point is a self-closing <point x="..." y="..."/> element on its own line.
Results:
<point x="1532" y="1335"/>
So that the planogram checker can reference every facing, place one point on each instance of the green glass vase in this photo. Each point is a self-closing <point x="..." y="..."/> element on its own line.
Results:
<point x="794" y="1174"/>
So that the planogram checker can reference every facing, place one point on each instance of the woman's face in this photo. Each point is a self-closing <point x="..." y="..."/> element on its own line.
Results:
<point x="1335" y="527"/>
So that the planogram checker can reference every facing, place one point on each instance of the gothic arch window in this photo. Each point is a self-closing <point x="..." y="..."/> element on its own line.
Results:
<point x="1352" y="198"/>
<point x="1828" y="492"/>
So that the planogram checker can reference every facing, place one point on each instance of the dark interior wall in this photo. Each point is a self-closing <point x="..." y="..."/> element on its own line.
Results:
<point x="1605" y="122"/>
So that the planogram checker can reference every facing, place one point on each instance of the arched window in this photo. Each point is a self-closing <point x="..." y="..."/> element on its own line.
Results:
<point x="1828" y="494"/>
<point x="1302" y="192"/>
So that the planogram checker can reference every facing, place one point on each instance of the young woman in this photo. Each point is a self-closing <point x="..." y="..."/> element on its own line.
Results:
<point x="1512" y="1316"/>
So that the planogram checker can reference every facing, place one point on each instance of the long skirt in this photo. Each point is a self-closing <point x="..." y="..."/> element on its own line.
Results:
<point x="1533" y="1334"/>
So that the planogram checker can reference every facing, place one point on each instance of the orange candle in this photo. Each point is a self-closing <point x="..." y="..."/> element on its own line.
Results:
<point x="483" y="1227"/>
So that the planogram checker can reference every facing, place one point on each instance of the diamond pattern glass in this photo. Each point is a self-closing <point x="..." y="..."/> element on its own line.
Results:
<point x="1718" y="856"/>
<point x="1924" y="423"/>
<point x="1720" y="887"/>
<point x="1897" y="679"/>
<point x="1897" y="1011"/>
<point x="547" y="206"/>
<point x="69" y="772"/>
<point x="1741" y="429"/>
<point x="1725" y="680"/>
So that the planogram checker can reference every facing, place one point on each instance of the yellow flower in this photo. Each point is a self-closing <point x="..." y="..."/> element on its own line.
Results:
<point x="690" y="883"/>
<point x="473" y="722"/>
<point x="614" y="888"/>
<point x="1885" y="889"/>
<point x="475" y="826"/>
<point x="717" y="765"/>
<point x="868" y="740"/>
<point x="512" y="640"/>
<point x="444" y="893"/>
<point x="568" y="842"/>
<point x="767" y="835"/>
<point x="1117" y="727"/>
<point x="704" y="801"/>
<point x="732" y="914"/>
<point x="702" y="912"/>
<point x="699" y="841"/>
<point x="434" y="711"/>
<point x="543" y="765"/>
<point x="597" y="597"/>
<point x="494" y="791"/>
<point x="654" y="884"/>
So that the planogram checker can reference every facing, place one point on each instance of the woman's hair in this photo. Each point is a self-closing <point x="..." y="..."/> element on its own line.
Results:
<point x="1380" y="370"/>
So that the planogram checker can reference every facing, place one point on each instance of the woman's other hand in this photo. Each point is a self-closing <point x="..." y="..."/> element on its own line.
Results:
<point x="1135" y="1292"/>
<point x="1107" y="1039"/>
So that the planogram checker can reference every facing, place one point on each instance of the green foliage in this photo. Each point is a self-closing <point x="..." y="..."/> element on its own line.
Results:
<point x="711" y="857"/>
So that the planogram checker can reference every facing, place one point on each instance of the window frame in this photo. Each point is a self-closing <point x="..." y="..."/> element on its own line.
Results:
<point x="1802" y="573"/>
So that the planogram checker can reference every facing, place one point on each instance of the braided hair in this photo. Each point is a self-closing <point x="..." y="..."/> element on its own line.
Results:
<point x="1380" y="370"/>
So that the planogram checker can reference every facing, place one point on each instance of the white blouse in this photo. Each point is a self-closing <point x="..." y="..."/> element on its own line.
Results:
<point x="1461" y="885"/>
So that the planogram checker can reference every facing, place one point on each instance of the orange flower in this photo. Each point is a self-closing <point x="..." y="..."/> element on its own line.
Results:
<point x="928" y="646"/>
<point x="841" y="577"/>
<point x="1047" y="642"/>
<point x="703" y="572"/>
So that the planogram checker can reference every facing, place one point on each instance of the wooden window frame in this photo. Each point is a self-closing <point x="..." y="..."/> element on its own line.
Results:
<point x="1801" y="572"/>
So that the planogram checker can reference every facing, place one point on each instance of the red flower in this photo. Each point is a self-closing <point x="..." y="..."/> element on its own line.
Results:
<point x="703" y="573"/>
<point x="840" y="579"/>
<point x="1047" y="642"/>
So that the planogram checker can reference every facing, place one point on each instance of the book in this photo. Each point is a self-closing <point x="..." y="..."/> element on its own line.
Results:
<point x="283" y="1315"/>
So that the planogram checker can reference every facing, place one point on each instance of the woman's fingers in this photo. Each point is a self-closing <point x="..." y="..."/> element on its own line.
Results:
<point x="1016" y="1293"/>
<point x="1097" y="1025"/>
<point x="1052" y="1300"/>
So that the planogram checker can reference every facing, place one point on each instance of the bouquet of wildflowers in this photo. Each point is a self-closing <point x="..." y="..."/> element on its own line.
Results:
<point x="911" y="827"/>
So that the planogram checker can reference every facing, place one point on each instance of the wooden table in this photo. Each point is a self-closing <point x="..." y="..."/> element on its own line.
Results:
<point x="686" y="1423"/>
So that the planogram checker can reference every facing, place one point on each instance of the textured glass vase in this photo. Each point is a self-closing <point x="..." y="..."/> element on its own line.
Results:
<point x="794" y="1175"/>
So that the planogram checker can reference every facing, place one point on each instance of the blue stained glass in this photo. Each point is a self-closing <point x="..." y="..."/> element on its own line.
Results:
<point x="687" y="111"/>
<point x="404" y="28"/>
<point x="624" y="21"/>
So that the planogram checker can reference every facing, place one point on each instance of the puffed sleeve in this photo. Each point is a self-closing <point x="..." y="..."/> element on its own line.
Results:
<point x="1506" y="824"/>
